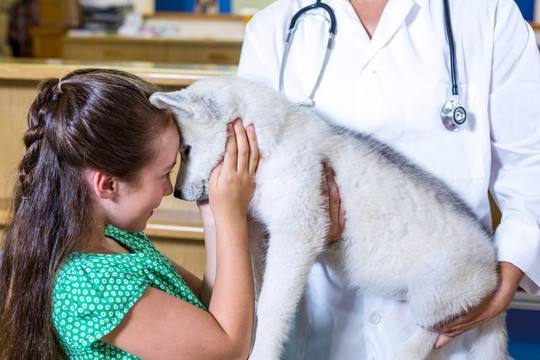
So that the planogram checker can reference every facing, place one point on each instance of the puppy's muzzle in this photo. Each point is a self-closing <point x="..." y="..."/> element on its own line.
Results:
<point x="192" y="192"/>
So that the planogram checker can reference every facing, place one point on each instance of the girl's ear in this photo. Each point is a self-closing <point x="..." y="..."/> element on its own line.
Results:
<point x="104" y="186"/>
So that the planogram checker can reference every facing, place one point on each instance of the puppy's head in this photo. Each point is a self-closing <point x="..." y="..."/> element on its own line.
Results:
<point x="202" y="118"/>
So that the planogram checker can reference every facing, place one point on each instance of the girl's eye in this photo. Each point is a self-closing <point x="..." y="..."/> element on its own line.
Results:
<point x="167" y="175"/>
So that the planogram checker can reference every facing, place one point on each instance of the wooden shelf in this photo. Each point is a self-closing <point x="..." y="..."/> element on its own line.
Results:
<point x="163" y="50"/>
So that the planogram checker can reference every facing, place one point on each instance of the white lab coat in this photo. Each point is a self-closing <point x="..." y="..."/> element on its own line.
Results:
<point x="394" y="87"/>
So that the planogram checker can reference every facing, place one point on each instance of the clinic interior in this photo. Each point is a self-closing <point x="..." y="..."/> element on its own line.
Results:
<point x="171" y="43"/>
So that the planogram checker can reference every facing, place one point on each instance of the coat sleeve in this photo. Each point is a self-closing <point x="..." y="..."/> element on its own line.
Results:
<point x="515" y="142"/>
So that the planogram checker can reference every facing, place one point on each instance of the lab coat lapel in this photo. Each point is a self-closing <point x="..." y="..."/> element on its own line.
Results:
<point x="391" y="21"/>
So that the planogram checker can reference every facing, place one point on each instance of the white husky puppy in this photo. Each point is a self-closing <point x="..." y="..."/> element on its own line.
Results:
<point x="406" y="236"/>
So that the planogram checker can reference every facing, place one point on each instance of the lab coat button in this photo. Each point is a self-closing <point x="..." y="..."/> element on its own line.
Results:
<point x="375" y="318"/>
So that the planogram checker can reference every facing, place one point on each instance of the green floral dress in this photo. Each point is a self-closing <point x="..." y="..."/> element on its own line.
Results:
<point x="93" y="292"/>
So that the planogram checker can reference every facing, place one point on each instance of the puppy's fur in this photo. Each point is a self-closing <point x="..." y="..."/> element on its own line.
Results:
<point x="406" y="236"/>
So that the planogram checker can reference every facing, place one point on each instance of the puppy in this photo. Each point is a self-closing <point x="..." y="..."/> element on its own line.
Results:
<point x="407" y="235"/>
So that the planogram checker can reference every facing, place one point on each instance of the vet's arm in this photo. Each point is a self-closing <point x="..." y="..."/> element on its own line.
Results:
<point x="510" y="276"/>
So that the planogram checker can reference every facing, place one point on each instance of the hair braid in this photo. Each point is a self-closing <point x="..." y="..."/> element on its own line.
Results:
<point x="48" y="94"/>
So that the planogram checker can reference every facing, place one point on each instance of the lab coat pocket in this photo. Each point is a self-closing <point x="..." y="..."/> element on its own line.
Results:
<point x="454" y="155"/>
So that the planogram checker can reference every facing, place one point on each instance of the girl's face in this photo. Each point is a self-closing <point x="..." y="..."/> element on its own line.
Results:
<point x="137" y="200"/>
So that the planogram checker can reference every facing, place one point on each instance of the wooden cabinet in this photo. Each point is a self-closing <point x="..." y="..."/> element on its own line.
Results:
<point x="55" y="17"/>
<point x="59" y="13"/>
<point x="118" y="48"/>
<point x="47" y="41"/>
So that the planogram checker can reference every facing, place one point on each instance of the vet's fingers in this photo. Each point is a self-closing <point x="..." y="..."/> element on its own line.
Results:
<point x="334" y="208"/>
<point x="342" y="213"/>
<point x="462" y="324"/>
<point x="442" y="340"/>
<point x="333" y="204"/>
<point x="490" y="307"/>
<point x="452" y="326"/>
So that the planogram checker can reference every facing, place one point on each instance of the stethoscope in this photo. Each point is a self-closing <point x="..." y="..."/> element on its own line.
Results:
<point x="453" y="114"/>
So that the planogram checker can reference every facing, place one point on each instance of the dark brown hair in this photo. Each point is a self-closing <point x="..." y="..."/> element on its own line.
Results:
<point x="92" y="119"/>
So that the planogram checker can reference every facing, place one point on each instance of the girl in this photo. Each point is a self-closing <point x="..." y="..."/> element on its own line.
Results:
<point x="79" y="280"/>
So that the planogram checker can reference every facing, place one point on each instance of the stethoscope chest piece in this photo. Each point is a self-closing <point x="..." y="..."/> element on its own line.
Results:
<point x="453" y="115"/>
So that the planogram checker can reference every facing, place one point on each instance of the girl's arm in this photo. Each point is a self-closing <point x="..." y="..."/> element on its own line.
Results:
<point x="209" y="227"/>
<point x="160" y="326"/>
<point x="203" y="289"/>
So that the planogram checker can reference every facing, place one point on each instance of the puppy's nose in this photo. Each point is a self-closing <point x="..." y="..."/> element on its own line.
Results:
<point x="178" y="194"/>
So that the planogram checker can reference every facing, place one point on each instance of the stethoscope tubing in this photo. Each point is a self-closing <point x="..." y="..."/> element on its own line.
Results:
<point x="329" y="46"/>
<point x="453" y="114"/>
<point x="450" y="37"/>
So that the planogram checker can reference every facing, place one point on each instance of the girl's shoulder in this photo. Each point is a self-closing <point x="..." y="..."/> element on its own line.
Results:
<point x="98" y="270"/>
<point x="92" y="293"/>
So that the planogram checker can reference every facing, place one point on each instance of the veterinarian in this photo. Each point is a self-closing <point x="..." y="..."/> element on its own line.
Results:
<point x="388" y="69"/>
<point x="79" y="279"/>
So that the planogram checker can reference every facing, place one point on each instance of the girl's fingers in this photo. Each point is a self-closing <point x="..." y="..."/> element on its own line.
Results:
<point x="214" y="175"/>
<point x="242" y="144"/>
<point x="253" y="149"/>
<point x="241" y="151"/>
<point x="231" y="149"/>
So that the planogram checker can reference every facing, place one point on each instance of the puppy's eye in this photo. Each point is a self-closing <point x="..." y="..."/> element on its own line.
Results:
<point x="186" y="149"/>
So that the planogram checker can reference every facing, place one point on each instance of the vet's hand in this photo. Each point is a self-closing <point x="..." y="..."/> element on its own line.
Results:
<point x="334" y="209"/>
<point x="495" y="304"/>
<point x="232" y="182"/>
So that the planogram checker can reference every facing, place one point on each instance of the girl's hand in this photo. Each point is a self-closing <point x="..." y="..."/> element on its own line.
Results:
<point x="335" y="211"/>
<point x="232" y="182"/>
<point x="496" y="303"/>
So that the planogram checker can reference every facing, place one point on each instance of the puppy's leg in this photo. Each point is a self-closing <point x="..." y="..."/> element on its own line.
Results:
<point x="258" y="243"/>
<point x="418" y="347"/>
<point x="447" y="282"/>
<point x="288" y="265"/>
<point x="492" y="341"/>
<point x="290" y="203"/>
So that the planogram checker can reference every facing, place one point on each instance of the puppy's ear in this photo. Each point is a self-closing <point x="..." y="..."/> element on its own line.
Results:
<point x="173" y="101"/>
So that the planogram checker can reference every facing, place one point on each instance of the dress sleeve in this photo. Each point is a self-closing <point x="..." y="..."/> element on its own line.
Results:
<point x="89" y="302"/>
<point x="515" y="142"/>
